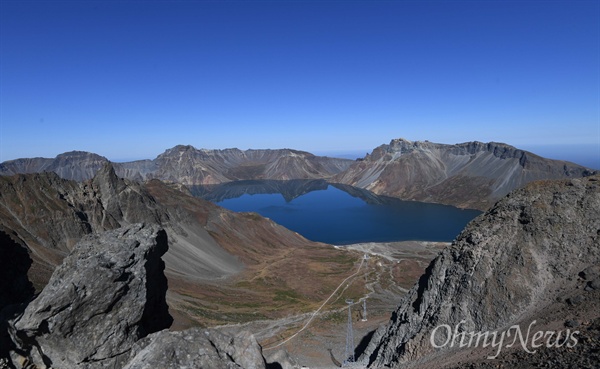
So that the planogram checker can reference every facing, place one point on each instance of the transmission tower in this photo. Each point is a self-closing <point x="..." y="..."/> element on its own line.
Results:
<point x="364" y="315"/>
<point x="349" y="336"/>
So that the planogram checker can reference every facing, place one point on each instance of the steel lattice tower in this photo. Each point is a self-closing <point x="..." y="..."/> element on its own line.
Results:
<point x="364" y="317"/>
<point x="349" y="357"/>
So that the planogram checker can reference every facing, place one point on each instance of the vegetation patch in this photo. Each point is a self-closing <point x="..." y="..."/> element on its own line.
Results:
<point x="341" y="258"/>
<point x="287" y="296"/>
<point x="334" y="317"/>
<point x="220" y="317"/>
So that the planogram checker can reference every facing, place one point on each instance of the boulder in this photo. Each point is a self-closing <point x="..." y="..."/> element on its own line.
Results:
<point x="281" y="359"/>
<point x="197" y="348"/>
<point x="108" y="293"/>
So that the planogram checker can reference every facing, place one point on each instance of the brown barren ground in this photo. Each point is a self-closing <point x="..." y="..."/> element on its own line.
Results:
<point x="380" y="281"/>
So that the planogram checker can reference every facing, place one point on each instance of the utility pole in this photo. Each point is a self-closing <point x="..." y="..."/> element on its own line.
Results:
<point x="349" y="357"/>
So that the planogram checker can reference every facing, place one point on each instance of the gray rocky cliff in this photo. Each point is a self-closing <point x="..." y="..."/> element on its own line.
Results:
<point x="50" y="214"/>
<point x="106" y="295"/>
<point x="123" y="200"/>
<point x="105" y="307"/>
<point x="75" y="165"/>
<point x="470" y="175"/>
<point x="509" y="265"/>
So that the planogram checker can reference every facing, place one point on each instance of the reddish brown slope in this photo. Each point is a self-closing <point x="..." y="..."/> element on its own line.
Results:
<point x="222" y="266"/>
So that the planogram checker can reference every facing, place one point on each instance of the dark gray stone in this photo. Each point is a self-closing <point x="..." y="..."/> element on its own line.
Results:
<point x="197" y="348"/>
<point x="106" y="295"/>
<point x="572" y="323"/>
<point x="593" y="285"/>
<point x="575" y="300"/>
<point x="590" y="273"/>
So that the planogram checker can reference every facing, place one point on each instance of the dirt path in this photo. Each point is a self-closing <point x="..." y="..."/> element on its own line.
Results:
<point x="314" y="314"/>
<point x="308" y="336"/>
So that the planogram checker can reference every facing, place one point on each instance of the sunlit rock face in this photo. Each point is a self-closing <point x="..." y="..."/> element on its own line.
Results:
<point x="190" y="166"/>
<point x="468" y="175"/>
<point x="527" y="258"/>
<point x="106" y="295"/>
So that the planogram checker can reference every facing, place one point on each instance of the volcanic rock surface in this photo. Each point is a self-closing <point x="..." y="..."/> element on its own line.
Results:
<point x="106" y="295"/>
<point x="102" y="305"/>
<point x="189" y="166"/>
<point x="197" y="348"/>
<point x="531" y="257"/>
<point x="469" y="175"/>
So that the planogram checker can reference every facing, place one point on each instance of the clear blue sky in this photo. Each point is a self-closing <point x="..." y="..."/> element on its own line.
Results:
<point x="129" y="79"/>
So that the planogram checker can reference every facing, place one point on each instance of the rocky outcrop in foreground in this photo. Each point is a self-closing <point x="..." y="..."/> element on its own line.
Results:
<point x="105" y="306"/>
<point x="105" y="296"/>
<point x="197" y="348"/>
<point x="531" y="257"/>
<point x="469" y="175"/>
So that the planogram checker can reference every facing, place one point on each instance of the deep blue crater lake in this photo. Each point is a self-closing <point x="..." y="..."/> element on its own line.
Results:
<point x="338" y="214"/>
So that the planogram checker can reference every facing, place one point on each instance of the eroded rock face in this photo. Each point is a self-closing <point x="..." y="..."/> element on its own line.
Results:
<point x="197" y="348"/>
<point x="76" y="165"/>
<point x="189" y="166"/>
<point x="104" y="307"/>
<point x="507" y="266"/>
<point x="469" y="175"/>
<point x="106" y="295"/>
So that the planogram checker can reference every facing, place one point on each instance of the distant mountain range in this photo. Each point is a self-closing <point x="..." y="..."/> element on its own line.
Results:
<point x="190" y="166"/>
<point x="468" y="175"/>
<point x="532" y="258"/>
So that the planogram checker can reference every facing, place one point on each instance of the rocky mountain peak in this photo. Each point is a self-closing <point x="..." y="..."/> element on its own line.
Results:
<point x="178" y="150"/>
<point x="183" y="148"/>
<point x="400" y="141"/>
<point x="471" y="174"/>
<point x="79" y="165"/>
<point x="401" y="144"/>
<point x="80" y="155"/>
<point x="106" y="178"/>
<point x="190" y="166"/>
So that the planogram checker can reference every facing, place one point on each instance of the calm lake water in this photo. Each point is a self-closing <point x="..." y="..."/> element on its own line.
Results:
<point x="339" y="214"/>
